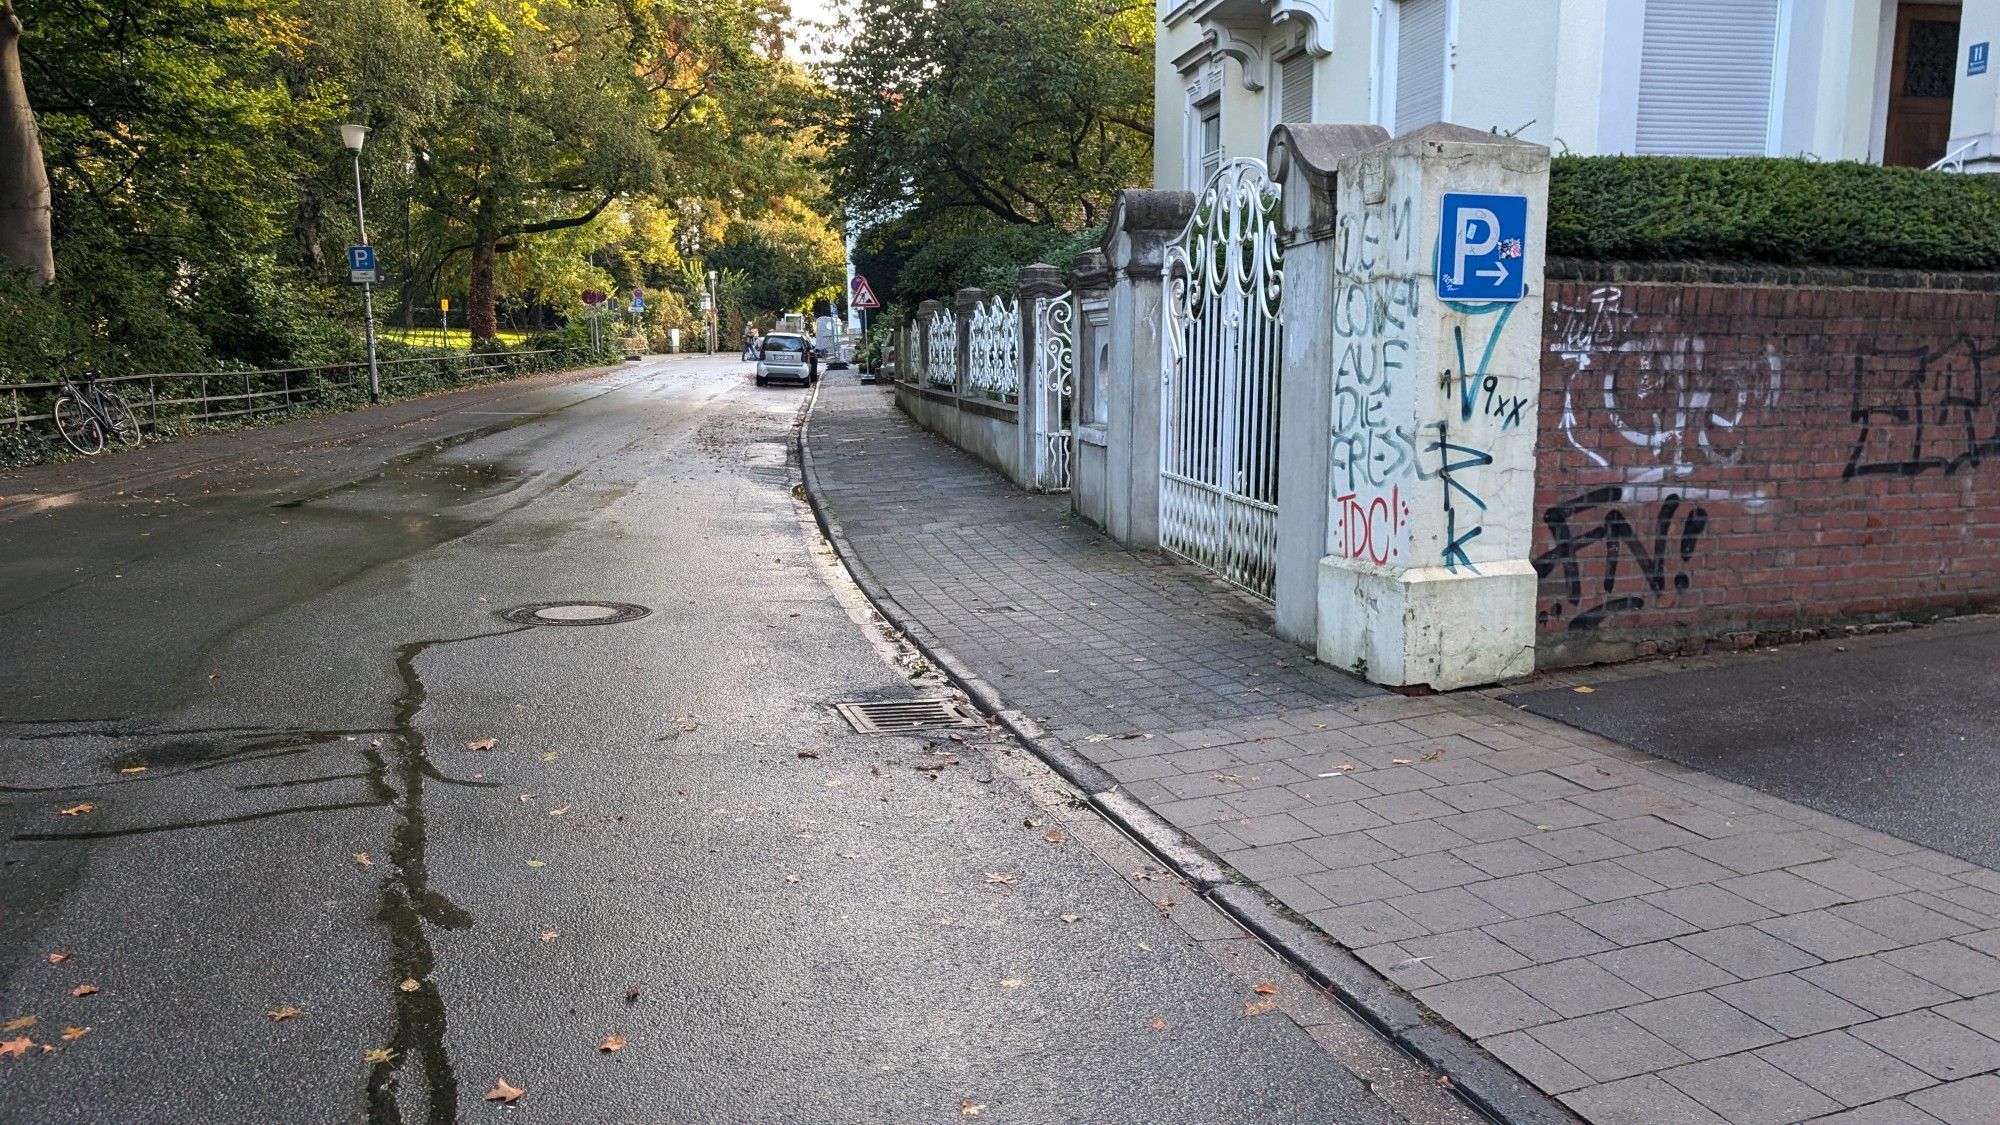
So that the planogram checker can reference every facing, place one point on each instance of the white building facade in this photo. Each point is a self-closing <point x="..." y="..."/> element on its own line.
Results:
<point x="1868" y="80"/>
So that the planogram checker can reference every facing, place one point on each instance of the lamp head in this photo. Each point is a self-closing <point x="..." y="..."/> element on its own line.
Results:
<point x="354" y="136"/>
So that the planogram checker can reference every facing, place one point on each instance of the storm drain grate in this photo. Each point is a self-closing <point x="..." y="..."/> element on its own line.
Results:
<point x="575" y="613"/>
<point x="890" y="716"/>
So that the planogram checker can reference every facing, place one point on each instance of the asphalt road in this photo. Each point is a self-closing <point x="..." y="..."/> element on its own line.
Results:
<point x="1892" y="731"/>
<point x="239" y="679"/>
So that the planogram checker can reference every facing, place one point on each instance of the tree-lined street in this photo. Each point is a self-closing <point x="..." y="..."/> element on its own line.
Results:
<point x="326" y="838"/>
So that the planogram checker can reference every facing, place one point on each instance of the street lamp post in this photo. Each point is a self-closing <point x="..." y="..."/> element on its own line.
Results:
<point x="714" y="313"/>
<point x="354" y="136"/>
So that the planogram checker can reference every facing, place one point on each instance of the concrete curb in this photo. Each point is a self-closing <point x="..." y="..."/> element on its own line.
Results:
<point x="1484" y="1082"/>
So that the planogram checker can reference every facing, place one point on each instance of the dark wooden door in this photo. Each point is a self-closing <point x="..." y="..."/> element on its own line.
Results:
<point x="1920" y="84"/>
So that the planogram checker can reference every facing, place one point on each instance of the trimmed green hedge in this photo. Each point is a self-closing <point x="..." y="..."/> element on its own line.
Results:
<point x="1783" y="212"/>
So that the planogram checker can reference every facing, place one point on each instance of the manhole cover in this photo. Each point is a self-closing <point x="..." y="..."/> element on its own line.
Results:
<point x="576" y="613"/>
<point x="888" y="716"/>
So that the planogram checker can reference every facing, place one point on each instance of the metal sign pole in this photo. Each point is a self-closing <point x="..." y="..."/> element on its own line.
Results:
<point x="367" y="289"/>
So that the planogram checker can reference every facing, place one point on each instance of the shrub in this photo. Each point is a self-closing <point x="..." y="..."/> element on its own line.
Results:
<point x="1783" y="212"/>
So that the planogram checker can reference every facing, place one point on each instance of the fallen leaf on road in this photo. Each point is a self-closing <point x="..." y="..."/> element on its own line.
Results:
<point x="1434" y="755"/>
<point x="15" y="1048"/>
<point x="504" y="1093"/>
<point x="18" y="1022"/>
<point x="59" y="958"/>
<point x="808" y="753"/>
<point x="1144" y="946"/>
<point x="1399" y="761"/>
<point x="791" y="878"/>
<point x="378" y="1055"/>
<point x="1159" y="1024"/>
<point x="83" y="990"/>
<point x="215" y="675"/>
<point x="1055" y="836"/>
<point x="1009" y="880"/>
<point x="1069" y="918"/>
<point x="75" y="1033"/>
<point x="1586" y="691"/>
<point x="550" y="935"/>
<point x="537" y="863"/>
<point x="1034" y="822"/>
<point x="1012" y="983"/>
<point x="525" y="797"/>
<point x="483" y="744"/>
<point x="687" y="722"/>
<point x="559" y="812"/>
<point x="632" y="995"/>
<point x="279" y="1015"/>
<point x="79" y="810"/>
<point x="971" y="1110"/>
<point x="375" y="744"/>
<point x="1259" y="1007"/>
<point x="612" y="1043"/>
<point x="549" y="757"/>
<point x="362" y="859"/>
<point x="1266" y="988"/>
<point x="1544" y="827"/>
<point x="410" y="984"/>
<point x="133" y="769"/>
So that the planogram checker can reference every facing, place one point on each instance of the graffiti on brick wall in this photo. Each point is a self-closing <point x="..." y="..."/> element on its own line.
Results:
<point x="1618" y="550"/>
<point x="1657" y="405"/>
<point x="1941" y="418"/>
<point x="1374" y="328"/>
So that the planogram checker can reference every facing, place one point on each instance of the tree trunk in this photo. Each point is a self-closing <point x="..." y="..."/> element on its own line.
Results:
<point x="479" y="303"/>
<point x="26" y="237"/>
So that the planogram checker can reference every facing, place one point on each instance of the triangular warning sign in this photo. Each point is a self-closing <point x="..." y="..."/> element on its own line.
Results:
<point x="863" y="296"/>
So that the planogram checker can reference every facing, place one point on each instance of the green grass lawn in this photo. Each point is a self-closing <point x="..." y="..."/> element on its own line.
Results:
<point x="442" y="338"/>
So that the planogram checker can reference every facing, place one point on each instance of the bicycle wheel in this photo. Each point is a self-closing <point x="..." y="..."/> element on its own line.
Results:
<point x="124" y="423"/>
<point x="78" y="426"/>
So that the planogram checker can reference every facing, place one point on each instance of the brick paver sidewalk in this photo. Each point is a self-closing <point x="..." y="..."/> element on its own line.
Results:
<point x="1649" y="943"/>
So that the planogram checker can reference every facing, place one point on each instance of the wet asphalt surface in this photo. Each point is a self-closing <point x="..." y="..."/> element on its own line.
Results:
<point x="1895" y="732"/>
<point x="253" y="686"/>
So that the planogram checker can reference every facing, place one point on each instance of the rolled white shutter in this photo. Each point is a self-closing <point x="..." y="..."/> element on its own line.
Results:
<point x="1420" y="35"/>
<point x="1705" y="77"/>
<point x="1295" y="79"/>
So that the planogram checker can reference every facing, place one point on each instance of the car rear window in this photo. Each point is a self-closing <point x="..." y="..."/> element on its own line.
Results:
<point x="783" y="344"/>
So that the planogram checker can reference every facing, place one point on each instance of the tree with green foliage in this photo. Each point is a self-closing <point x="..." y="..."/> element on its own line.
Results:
<point x="951" y="121"/>
<point x="26" y="232"/>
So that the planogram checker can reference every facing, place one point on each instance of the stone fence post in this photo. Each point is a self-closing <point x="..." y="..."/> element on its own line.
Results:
<point x="963" y="304"/>
<point x="1143" y="223"/>
<point x="922" y="339"/>
<point x="1436" y="379"/>
<point x="1304" y="160"/>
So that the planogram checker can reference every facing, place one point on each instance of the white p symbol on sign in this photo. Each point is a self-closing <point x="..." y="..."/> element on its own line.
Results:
<point x="1464" y="245"/>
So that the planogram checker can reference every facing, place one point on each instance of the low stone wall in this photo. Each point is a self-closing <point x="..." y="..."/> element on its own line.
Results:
<point x="990" y="431"/>
<point x="1727" y="454"/>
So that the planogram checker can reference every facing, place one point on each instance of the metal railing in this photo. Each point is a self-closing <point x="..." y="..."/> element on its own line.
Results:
<point x="205" y="396"/>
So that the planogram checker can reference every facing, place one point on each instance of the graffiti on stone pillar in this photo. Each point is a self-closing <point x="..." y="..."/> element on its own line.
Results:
<point x="1374" y="327"/>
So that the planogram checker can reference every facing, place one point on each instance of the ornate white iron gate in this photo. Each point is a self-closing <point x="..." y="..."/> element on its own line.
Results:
<point x="1055" y="389"/>
<point x="941" y="351"/>
<point x="1219" y="404"/>
<point x="993" y="359"/>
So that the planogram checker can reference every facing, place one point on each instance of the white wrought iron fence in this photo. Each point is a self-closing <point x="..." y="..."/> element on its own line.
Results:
<point x="993" y="347"/>
<point x="941" y="351"/>
<point x="1221" y="359"/>
<point x="1055" y="389"/>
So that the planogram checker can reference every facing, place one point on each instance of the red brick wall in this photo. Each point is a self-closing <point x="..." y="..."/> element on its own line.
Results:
<point x="1722" y="460"/>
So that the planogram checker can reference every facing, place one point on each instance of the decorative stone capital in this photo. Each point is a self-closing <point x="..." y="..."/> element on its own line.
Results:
<point x="1038" y="280"/>
<point x="1305" y="161"/>
<point x="1142" y="222"/>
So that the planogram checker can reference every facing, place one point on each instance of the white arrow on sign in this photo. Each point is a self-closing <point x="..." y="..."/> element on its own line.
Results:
<point x="1497" y="273"/>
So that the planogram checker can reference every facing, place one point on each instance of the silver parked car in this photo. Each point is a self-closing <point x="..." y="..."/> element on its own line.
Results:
<point x="787" y="355"/>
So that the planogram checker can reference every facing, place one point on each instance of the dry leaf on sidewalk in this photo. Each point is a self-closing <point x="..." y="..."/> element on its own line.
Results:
<point x="504" y="1093"/>
<point x="612" y="1043"/>
<point x="1266" y="988"/>
<point x="483" y="744"/>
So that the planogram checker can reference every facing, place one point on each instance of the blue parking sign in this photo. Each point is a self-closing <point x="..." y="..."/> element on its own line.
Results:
<point x="361" y="264"/>
<point x="1482" y="247"/>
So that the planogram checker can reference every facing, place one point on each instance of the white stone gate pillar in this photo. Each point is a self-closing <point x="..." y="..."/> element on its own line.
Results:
<point x="1135" y="242"/>
<point x="1436" y="333"/>
<point x="1303" y="160"/>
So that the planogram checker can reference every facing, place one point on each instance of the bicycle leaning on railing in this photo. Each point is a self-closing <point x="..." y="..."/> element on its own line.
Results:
<point x="84" y="415"/>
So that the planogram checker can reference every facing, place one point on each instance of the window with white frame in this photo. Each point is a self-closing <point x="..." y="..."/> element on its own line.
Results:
<point x="1295" y="89"/>
<point x="1422" y="31"/>
<point x="1705" y="77"/>
<point x="1207" y="142"/>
